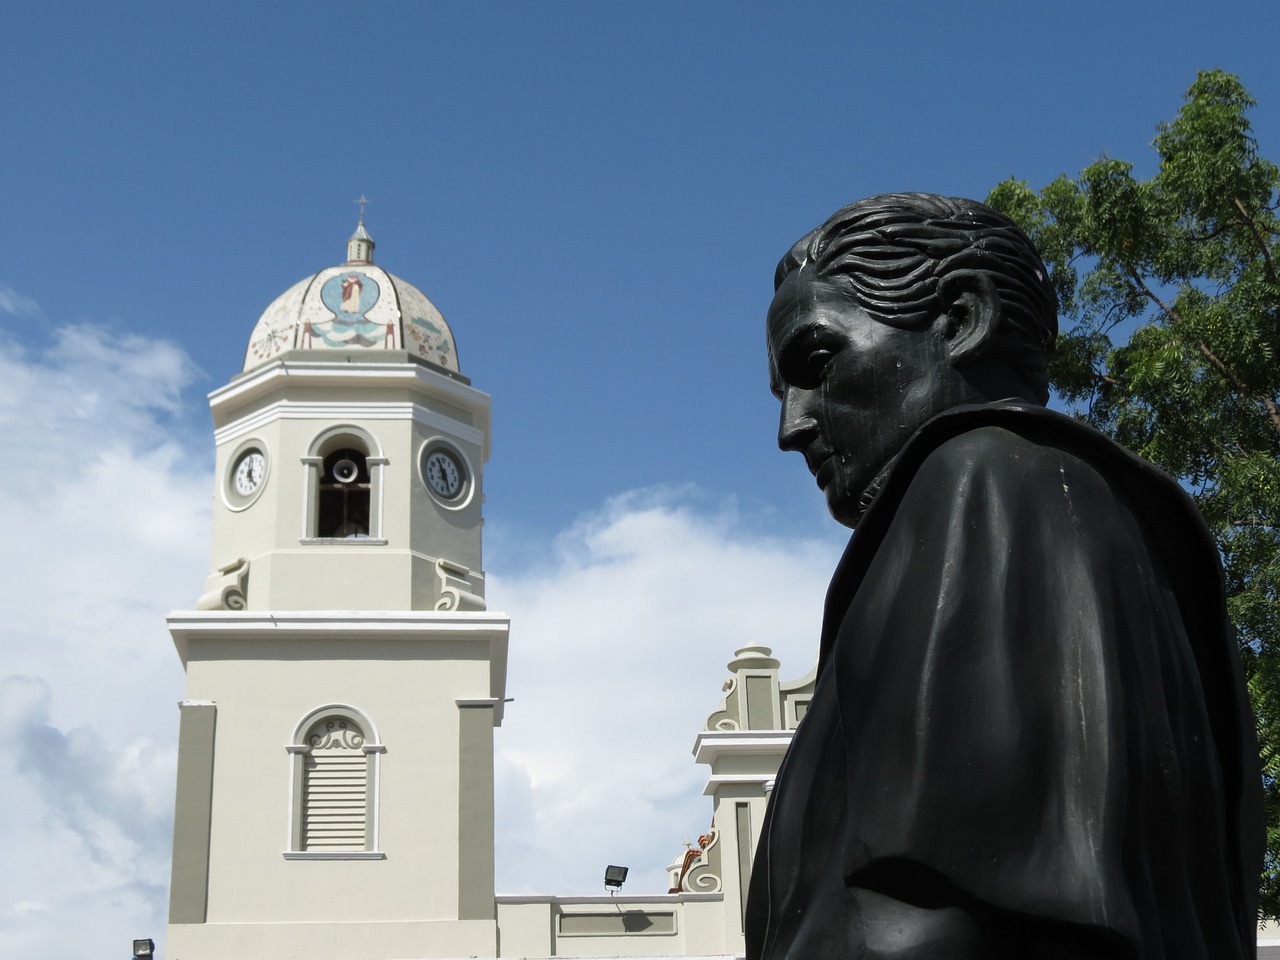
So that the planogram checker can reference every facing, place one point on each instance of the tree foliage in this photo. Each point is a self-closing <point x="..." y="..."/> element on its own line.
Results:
<point x="1169" y="291"/>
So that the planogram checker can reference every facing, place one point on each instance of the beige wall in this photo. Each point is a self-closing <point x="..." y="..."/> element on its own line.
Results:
<point x="331" y="940"/>
<point x="679" y="925"/>
<point x="407" y="689"/>
<point x="407" y="681"/>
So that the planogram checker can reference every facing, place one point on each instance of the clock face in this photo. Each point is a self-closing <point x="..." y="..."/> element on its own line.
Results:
<point x="443" y="474"/>
<point x="249" y="473"/>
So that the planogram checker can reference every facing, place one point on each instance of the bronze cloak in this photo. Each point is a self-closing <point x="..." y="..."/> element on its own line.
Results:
<point x="1029" y="706"/>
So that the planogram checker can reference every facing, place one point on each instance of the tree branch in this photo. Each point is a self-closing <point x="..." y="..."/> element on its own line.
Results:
<point x="1257" y="235"/>
<point x="1227" y="373"/>
<point x="1151" y="295"/>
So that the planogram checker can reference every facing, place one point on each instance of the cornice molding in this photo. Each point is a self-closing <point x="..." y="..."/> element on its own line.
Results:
<point x="336" y="376"/>
<point x="657" y="899"/>
<point x="337" y="410"/>
<point x="737" y="780"/>
<point x="311" y="622"/>
<point x="331" y="373"/>
<point x="710" y="745"/>
<point x="479" y="626"/>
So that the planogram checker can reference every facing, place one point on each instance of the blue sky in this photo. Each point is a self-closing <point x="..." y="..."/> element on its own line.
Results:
<point x="594" y="195"/>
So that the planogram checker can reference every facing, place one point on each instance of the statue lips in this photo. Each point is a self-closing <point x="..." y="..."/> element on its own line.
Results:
<point x="822" y="464"/>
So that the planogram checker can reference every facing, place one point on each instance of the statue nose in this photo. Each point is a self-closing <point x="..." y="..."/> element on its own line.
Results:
<point x="796" y="426"/>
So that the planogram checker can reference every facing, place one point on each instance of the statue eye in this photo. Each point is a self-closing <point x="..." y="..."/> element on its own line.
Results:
<point x="814" y="363"/>
<point x="803" y="360"/>
<point x="818" y="359"/>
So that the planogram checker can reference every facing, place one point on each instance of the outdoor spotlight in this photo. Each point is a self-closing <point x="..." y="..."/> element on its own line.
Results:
<point x="142" y="949"/>
<point x="615" y="876"/>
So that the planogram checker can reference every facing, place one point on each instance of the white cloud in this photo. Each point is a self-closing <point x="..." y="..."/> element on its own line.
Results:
<point x="102" y="806"/>
<point x="17" y="304"/>
<point x="105" y="502"/>
<point x="619" y="643"/>
<point x="620" y="637"/>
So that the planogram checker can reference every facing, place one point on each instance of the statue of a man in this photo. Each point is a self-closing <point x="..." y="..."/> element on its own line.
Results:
<point x="1030" y="736"/>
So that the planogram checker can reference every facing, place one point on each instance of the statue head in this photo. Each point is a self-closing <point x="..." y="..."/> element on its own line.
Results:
<point x="897" y="308"/>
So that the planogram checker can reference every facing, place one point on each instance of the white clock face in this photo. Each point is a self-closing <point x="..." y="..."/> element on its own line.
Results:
<point x="250" y="472"/>
<point x="443" y="474"/>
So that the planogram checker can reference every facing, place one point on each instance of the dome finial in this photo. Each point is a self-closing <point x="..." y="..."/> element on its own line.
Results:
<point x="360" y="246"/>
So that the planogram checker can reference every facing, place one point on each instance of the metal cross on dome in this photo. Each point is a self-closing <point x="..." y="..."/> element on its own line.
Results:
<point x="362" y="201"/>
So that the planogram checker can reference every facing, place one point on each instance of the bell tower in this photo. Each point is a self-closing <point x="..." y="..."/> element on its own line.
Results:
<point x="335" y="770"/>
<point x="350" y="454"/>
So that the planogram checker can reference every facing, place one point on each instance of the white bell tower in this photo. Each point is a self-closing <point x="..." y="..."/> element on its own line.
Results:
<point x="335" y="770"/>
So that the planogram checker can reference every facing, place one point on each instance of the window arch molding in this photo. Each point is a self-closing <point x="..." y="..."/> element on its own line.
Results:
<point x="351" y="731"/>
<point x="337" y="709"/>
<point x="343" y="512"/>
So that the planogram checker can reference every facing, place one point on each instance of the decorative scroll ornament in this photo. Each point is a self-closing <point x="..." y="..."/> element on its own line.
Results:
<point x="230" y="588"/>
<point x="335" y="734"/>
<point x="724" y="717"/>
<point x="455" y="588"/>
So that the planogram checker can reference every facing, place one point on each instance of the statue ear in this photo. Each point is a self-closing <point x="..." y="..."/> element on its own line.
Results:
<point x="970" y="313"/>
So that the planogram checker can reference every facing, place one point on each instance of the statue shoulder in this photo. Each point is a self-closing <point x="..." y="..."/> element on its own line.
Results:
<point x="1016" y="453"/>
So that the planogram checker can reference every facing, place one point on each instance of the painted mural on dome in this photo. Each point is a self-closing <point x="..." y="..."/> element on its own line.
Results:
<point x="275" y="331"/>
<point x="346" y="307"/>
<point x="425" y="332"/>
<point x="431" y="341"/>
<point x="349" y="296"/>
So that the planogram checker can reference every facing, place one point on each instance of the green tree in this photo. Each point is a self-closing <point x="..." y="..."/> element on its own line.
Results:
<point x="1171" y="304"/>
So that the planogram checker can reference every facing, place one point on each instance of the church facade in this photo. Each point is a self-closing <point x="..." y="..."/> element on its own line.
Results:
<point x="344" y="676"/>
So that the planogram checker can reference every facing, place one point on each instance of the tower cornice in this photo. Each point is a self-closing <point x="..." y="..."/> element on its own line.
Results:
<point x="229" y="403"/>
<point x="238" y="626"/>
<point x="334" y="410"/>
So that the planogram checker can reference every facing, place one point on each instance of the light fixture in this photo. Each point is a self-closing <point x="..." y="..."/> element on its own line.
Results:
<point x="142" y="949"/>
<point x="615" y="876"/>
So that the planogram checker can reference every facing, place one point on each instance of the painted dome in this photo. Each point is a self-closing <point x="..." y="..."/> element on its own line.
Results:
<point x="353" y="306"/>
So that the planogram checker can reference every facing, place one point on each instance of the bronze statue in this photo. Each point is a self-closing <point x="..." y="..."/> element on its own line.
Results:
<point x="1030" y="736"/>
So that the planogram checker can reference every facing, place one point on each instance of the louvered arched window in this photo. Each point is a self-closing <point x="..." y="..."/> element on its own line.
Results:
<point x="335" y="757"/>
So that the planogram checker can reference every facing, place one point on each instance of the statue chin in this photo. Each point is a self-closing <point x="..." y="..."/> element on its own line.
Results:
<point x="847" y="507"/>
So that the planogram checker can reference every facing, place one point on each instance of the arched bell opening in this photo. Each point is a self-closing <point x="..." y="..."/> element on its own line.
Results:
<point x="342" y="507"/>
<point x="344" y="481"/>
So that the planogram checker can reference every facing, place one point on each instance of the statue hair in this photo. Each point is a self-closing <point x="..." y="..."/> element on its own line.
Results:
<point x="893" y="250"/>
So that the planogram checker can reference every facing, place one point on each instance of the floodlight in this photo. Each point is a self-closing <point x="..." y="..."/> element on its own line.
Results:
<point x="615" y="876"/>
<point x="142" y="949"/>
